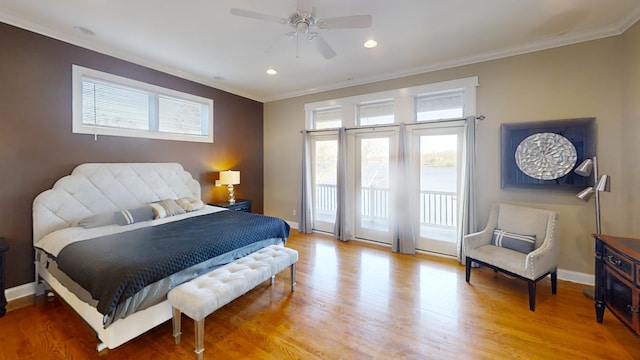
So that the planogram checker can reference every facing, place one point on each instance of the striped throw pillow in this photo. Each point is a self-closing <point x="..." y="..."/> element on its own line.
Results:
<point x="513" y="241"/>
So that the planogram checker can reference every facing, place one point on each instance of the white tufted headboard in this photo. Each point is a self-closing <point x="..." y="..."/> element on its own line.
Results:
<point x="98" y="188"/>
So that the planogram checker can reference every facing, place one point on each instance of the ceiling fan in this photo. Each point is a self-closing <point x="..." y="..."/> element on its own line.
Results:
<point x="304" y="20"/>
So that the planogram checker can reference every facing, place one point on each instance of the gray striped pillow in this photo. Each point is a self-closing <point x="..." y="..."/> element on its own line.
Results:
<point x="513" y="241"/>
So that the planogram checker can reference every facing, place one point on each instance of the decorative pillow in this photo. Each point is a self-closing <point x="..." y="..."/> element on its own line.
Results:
<point x="124" y="217"/>
<point x="164" y="208"/>
<point x="190" y="204"/>
<point x="97" y="220"/>
<point x="513" y="241"/>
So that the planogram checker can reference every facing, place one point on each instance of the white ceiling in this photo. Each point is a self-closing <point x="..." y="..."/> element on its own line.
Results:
<point x="200" y="40"/>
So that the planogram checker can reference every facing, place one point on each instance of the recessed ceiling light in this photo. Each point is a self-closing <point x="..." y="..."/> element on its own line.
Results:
<point x="370" y="44"/>
<point x="83" y="30"/>
<point x="271" y="71"/>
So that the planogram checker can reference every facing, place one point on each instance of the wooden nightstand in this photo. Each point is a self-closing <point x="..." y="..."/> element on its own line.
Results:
<point x="240" y="205"/>
<point x="4" y="246"/>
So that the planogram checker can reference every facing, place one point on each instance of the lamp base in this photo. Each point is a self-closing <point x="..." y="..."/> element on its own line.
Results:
<point x="232" y="199"/>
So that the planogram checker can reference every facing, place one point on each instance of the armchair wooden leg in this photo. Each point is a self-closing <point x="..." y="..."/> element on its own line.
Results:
<point x="468" y="268"/>
<point x="532" y="295"/>
<point x="554" y="281"/>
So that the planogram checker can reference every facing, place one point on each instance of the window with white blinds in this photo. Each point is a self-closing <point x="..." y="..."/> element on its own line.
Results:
<point x="105" y="104"/>
<point x="446" y="100"/>
<point x="376" y="113"/>
<point x="327" y="118"/>
<point x="440" y="105"/>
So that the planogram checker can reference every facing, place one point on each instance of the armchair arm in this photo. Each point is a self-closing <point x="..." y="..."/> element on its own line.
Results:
<point x="474" y="240"/>
<point x="545" y="257"/>
<point x="478" y="239"/>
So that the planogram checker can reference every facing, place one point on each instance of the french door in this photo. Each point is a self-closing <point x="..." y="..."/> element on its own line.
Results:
<point x="373" y="169"/>
<point x="324" y="165"/>
<point x="436" y="155"/>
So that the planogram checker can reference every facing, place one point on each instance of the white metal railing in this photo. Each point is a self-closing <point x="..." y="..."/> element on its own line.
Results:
<point x="437" y="208"/>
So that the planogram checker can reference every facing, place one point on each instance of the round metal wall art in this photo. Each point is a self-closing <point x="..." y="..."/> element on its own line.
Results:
<point x="546" y="156"/>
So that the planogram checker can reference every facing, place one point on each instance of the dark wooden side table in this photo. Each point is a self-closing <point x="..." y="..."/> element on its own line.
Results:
<point x="240" y="205"/>
<point x="618" y="279"/>
<point x="4" y="246"/>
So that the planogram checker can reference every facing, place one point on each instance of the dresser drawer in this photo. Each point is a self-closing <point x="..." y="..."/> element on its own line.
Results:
<point x="620" y="263"/>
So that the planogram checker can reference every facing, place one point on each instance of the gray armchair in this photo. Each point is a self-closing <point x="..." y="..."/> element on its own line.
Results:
<point x="542" y="260"/>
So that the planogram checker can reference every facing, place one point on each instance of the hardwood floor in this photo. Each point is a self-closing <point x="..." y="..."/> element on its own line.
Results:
<point x="355" y="301"/>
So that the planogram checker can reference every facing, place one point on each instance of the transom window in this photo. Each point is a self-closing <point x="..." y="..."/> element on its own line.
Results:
<point x="440" y="105"/>
<point x="447" y="100"/>
<point x="327" y="118"/>
<point x="106" y="104"/>
<point x="376" y="112"/>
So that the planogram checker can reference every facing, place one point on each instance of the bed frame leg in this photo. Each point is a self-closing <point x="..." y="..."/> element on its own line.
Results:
<point x="199" y="325"/>
<point x="293" y="277"/>
<point x="100" y="347"/>
<point x="273" y="279"/>
<point x="176" y="326"/>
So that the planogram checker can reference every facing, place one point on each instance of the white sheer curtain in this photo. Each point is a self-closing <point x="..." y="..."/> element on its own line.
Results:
<point x="404" y="240"/>
<point x="342" y="228"/>
<point x="467" y="216"/>
<point x="305" y="221"/>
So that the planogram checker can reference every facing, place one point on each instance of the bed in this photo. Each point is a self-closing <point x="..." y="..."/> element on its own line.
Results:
<point x="112" y="239"/>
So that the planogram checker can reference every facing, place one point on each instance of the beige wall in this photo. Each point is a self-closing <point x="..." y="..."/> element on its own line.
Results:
<point x="583" y="80"/>
<point x="630" y="209"/>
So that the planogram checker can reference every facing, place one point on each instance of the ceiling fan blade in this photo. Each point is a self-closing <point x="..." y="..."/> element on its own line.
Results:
<point x="322" y="46"/>
<point x="258" y="16"/>
<point x="305" y="6"/>
<point x="346" y="22"/>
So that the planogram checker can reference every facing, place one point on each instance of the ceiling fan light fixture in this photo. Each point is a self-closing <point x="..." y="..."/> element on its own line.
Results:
<point x="305" y="20"/>
<point x="369" y="44"/>
<point x="272" y="71"/>
<point x="302" y="27"/>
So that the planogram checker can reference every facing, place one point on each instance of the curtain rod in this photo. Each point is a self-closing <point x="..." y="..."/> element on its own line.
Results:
<point x="479" y="117"/>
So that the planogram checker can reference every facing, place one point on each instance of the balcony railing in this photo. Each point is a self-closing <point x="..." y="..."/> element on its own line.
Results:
<point x="437" y="208"/>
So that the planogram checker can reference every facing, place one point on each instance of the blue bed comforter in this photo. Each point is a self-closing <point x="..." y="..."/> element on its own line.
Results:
<point x="114" y="267"/>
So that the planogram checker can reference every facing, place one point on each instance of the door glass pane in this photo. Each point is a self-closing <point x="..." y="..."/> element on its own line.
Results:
<point x="438" y="187"/>
<point x="325" y="177"/>
<point x="374" y="184"/>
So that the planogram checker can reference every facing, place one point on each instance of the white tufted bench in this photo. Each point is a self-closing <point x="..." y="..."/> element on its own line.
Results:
<point x="205" y="294"/>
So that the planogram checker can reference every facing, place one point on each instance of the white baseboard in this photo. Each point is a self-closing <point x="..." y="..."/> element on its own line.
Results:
<point x="20" y="291"/>
<point x="576" y="277"/>
<point x="294" y="225"/>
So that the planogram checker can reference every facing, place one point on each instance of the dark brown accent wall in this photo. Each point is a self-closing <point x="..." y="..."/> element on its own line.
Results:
<point x="37" y="146"/>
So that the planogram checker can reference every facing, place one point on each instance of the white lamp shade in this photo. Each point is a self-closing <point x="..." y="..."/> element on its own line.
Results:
<point x="230" y="177"/>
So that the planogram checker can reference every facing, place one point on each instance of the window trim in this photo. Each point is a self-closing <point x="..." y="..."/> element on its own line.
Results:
<point x="78" y="127"/>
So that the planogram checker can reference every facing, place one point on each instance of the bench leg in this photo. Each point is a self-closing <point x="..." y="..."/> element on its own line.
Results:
<point x="176" y="325"/>
<point x="199" y="327"/>
<point x="293" y="277"/>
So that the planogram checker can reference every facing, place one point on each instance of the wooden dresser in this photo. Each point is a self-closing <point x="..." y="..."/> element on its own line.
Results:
<point x="618" y="279"/>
